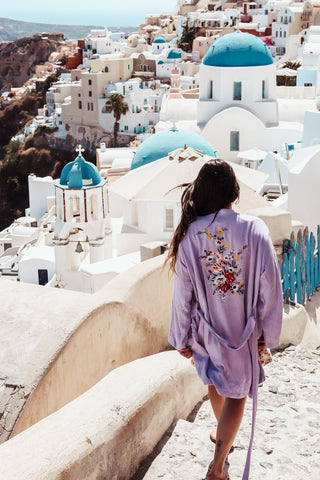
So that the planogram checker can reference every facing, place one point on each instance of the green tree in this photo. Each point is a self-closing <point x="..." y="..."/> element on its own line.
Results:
<point x="187" y="37"/>
<point x="63" y="60"/>
<point x="116" y="105"/>
<point x="48" y="81"/>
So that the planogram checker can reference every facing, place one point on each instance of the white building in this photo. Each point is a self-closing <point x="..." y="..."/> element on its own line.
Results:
<point x="81" y="225"/>
<point x="308" y="73"/>
<point x="238" y="107"/>
<point x="159" y="44"/>
<point x="166" y="62"/>
<point x="149" y="197"/>
<point x="144" y="106"/>
<point x="40" y="189"/>
<point x="101" y="42"/>
<point x="289" y="22"/>
<point x="303" y="186"/>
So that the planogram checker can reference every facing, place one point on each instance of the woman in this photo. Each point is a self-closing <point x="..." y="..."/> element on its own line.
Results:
<point x="227" y="295"/>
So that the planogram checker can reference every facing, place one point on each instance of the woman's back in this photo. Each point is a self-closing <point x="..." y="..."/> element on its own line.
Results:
<point x="223" y="262"/>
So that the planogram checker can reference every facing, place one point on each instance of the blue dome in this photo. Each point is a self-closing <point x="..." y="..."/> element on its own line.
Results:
<point x="162" y="143"/>
<point x="159" y="40"/>
<point x="80" y="174"/>
<point x="238" y="50"/>
<point x="174" y="53"/>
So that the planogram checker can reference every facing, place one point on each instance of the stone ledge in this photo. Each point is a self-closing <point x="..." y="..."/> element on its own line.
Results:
<point x="110" y="429"/>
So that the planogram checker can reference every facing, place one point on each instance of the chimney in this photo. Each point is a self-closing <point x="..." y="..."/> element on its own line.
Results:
<point x="102" y="147"/>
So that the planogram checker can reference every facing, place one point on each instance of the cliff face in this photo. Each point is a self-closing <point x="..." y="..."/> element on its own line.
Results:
<point x="18" y="59"/>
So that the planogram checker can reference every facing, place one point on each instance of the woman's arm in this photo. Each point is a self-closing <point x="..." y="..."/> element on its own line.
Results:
<point x="181" y="306"/>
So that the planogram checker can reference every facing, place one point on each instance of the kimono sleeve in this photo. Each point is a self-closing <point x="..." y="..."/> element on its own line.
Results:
<point x="270" y="302"/>
<point x="181" y="305"/>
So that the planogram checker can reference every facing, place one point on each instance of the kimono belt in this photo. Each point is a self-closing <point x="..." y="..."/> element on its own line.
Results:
<point x="249" y="337"/>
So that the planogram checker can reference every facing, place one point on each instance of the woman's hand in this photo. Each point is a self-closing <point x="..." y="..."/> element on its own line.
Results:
<point x="186" y="352"/>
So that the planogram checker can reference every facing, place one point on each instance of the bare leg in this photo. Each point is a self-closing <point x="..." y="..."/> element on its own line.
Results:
<point x="216" y="401"/>
<point x="228" y="426"/>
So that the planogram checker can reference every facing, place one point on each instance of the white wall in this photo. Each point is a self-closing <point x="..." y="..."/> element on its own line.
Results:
<point x="28" y="269"/>
<point x="252" y="133"/>
<point x="39" y="189"/>
<point x="223" y="79"/>
<point x="303" y="196"/>
<point x="110" y="429"/>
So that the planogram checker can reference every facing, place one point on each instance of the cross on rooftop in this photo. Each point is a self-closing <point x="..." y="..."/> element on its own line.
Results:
<point x="79" y="149"/>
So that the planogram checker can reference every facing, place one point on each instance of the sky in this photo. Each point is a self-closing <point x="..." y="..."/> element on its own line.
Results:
<point x="85" y="12"/>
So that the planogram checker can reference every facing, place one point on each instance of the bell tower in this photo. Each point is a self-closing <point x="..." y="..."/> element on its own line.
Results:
<point x="82" y="225"/>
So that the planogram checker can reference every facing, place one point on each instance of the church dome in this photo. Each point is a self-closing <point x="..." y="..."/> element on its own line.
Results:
<point x="174" y="53"/>
<point x="79" y="174"/>
<point x="238" y="49"/>
<point x="159" y="40"/>
<point x="162" y="143"/>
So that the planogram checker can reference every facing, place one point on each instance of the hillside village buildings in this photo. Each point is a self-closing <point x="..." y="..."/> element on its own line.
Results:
<point x="219" y="99"/>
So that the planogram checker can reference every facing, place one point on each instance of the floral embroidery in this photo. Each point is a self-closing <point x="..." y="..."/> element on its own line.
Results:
<point x="221" y="264"/>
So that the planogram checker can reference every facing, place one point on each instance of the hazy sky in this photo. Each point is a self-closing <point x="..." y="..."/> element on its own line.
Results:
<point x="86" y="12"/>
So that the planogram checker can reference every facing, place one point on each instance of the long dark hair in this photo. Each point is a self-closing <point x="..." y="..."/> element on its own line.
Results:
<point x="215" y="187"/>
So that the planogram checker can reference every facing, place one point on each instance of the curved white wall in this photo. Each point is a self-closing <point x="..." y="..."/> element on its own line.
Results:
<point x="130" y="320"/>
<point x="109" y="430"/>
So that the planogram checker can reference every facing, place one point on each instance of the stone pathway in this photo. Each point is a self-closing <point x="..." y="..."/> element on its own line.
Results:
<point x="287" y="434"/>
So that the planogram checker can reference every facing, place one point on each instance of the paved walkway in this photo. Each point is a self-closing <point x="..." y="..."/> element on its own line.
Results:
<point x="287" y="435"/>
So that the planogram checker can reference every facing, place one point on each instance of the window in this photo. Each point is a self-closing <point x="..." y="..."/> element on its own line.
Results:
<point x="284" y="34"/>
<point x="211" y="89"/>
<point x="79" y="104"/>
<point x="280" y="33"/>
<point x="128" y="67"/>
<point x="126" y="128"/>
<point x="94" y="208"/>
<point x="237" y="90"/>
<point x="42" y="276"/>
<point x="90" y="82"/>
<point x="276" y="33"/>
<point x="79" y="94"/>
<point x="168" y="220"/>
<point x="90" y="93"/>
<point x="264" y="92"/>
<point x="234" y="141"/>
<point x="88" y="106"/>
<point x="106" y="69"/>
<point x="74" y="208"/>
<point x="91" y="107"/>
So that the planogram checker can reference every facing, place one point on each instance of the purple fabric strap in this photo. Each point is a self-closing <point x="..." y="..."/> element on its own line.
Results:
<point x="255" y="382"/>
<point x="251" y="338"/>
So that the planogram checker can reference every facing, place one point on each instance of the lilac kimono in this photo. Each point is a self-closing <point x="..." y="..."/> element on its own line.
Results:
<point x="227" y="293"/>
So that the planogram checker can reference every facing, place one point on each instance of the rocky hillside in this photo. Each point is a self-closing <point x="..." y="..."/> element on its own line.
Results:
<point x="18" y="59"/>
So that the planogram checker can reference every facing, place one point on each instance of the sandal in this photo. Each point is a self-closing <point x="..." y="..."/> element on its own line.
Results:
<point x="214" y="439"/>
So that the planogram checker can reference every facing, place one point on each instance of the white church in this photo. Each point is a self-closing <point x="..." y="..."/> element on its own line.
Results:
<point x="237" y="108"/>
